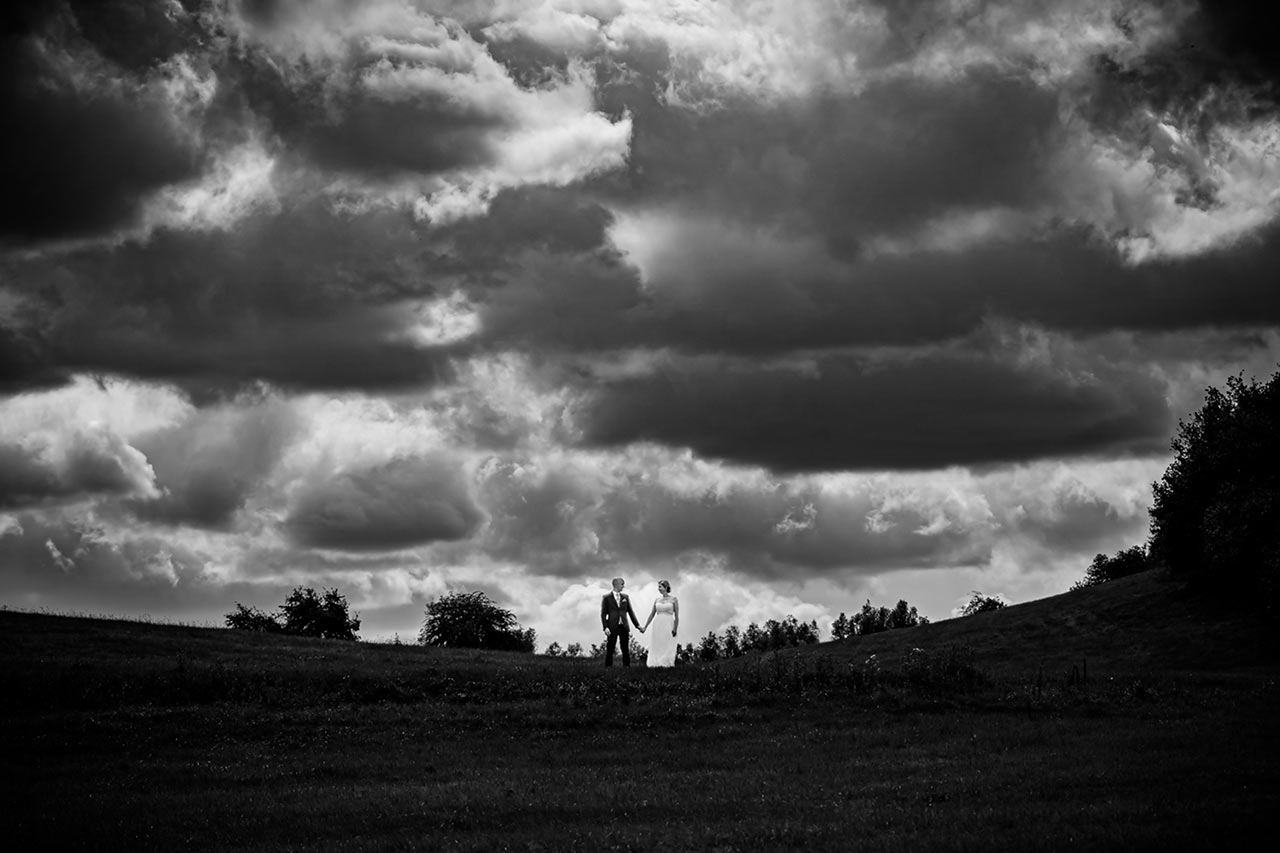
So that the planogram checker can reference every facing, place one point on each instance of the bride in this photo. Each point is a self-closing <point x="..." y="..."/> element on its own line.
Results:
<point x="662" y="649"/>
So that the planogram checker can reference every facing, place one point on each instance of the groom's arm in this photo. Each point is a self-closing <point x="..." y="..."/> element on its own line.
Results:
<point x="604" y="613"/>
<point x="634" y="620"/>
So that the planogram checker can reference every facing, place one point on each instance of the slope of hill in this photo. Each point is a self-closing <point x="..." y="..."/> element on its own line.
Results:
<point x="1136" y="625"/>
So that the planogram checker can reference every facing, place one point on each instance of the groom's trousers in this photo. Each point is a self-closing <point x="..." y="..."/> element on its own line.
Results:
<point x="614" y="637"/>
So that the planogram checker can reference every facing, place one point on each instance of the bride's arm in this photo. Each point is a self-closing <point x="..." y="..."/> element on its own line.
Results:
<point x="652" y="611"/>
<point x="675" y="609"/>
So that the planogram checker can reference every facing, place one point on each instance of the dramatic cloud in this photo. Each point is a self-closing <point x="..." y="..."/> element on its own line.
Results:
<point x="792" y="304"/>
<point x="403" y="503"/>
<point x="841" y="412"/>
<point x="207" y="466"/>
<point x="88" y="137"/>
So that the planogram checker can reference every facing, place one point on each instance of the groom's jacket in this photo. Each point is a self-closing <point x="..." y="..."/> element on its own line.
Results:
<point x="614" y="616"/>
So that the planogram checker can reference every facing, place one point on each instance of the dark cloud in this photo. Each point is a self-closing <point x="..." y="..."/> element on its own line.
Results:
<point x="841" y="412"/>
<point x="853" y="166"/>
<point x="724" y="289"/>
<point x="207" y="466"/>
<point x="308" y="298"/>
<point x="402" y="503"/>
<point x="85" y="141"/>
<point x="25" y="364"/>
<point x="333" y="121"/>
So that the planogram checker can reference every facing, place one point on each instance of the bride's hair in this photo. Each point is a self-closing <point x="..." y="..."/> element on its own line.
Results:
<point x="665" y="586"/>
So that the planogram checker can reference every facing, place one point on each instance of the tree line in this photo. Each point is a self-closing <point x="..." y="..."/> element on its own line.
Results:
<point x="1215" y="513"/>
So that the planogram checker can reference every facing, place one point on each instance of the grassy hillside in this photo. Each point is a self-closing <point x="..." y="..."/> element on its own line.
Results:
<point x="124" y="735"/>
<point x="1139" y="625"/>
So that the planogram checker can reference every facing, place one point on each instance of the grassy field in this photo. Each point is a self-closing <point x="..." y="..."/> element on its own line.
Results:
<point x="977" y="733"/>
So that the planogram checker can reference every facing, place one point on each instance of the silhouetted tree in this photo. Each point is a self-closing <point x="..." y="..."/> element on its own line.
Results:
<point x="1214" y="512"/>
<point x="841" y="628"/>
<point x="872" y="620"/>
<point x="709" y="648"/>
<point x="573" y="651"/>
<point x="471" y="620"/>
<point x="731" y="642"/>
<point x="754" y="639"/>
<point x="979" y="603"/>
<point x="1129" y="561"/>
<point x="252" y="619"/>
<point x="308" y="614"/>
<point x="554" y="651"/>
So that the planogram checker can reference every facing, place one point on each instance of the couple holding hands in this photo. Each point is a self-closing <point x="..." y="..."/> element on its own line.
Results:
<point x="616" y="607"/>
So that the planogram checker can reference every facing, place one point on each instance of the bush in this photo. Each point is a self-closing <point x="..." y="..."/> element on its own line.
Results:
<point x="252" y="619"/>
<point x="980" y="603"/>
<point x="1213" y="515"/>
<point x="305" y="613"/>
<point x="470" y="620"/>
<point x="949" y="670"/>
<point x="1130" y="561"/>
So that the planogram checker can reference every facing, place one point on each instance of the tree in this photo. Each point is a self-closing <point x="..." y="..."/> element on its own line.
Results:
<point x="754" y="639"/>
<point x="731" y="642"/>
<point x="470" y="620"/>
<point x="870" y="620"/>
<point x="252" y="619"/>
<point x="873" y="620"/>
<point x="841" y="628"/>
<point x="554" y="651"/>
<point x="905" y="616"/>
<point x="1130" y="561"/>
<point x="709" y="648"/>
<point x="573" y="651"/>
<point x="305" y="613"/>
<point x="1213" y="513"/>
<point x="308" y="614"/>
<point x="979" y="603"/>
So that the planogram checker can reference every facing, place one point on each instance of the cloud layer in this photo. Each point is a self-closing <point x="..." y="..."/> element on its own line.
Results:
<point x="792" y="304"/>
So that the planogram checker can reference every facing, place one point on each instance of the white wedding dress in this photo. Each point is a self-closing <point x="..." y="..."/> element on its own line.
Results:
<point x="662" y="648"/>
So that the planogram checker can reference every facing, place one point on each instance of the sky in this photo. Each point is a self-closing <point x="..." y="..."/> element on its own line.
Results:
<point x="794" y="304"/>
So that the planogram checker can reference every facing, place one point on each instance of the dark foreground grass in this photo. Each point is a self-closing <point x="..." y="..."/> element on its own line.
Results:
<point x="123" y="736"/>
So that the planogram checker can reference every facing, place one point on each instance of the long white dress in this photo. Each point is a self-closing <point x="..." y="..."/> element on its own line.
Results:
<point x="662" y="648"/>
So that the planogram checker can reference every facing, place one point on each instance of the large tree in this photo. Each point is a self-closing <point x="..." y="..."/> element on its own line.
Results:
<point x="1215" y="515"/>
<point x="470" y="620"/>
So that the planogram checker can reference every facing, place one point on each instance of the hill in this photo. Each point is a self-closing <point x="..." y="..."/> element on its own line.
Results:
<point x="128" y="735"/>
<point x="1140" y="624"/>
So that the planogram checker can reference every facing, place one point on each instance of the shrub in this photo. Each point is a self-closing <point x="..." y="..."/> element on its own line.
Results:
<point x="305" y="613"/>
<point x="949" y="670"/>
<point x="308" y="614"/>
<point x="470" y="620"/>
<point x="252" y="619"/>
<point x="1130" y="561"/>
<point x="980" y="603"/>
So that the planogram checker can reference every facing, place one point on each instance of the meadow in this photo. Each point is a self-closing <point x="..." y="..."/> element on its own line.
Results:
<point x="1123" y="716"/>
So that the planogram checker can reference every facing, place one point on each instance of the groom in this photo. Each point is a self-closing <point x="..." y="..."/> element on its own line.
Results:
<point x="614" y="610"/>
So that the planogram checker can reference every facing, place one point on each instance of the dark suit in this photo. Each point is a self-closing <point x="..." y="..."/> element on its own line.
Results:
<point x="613" y="617"/>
